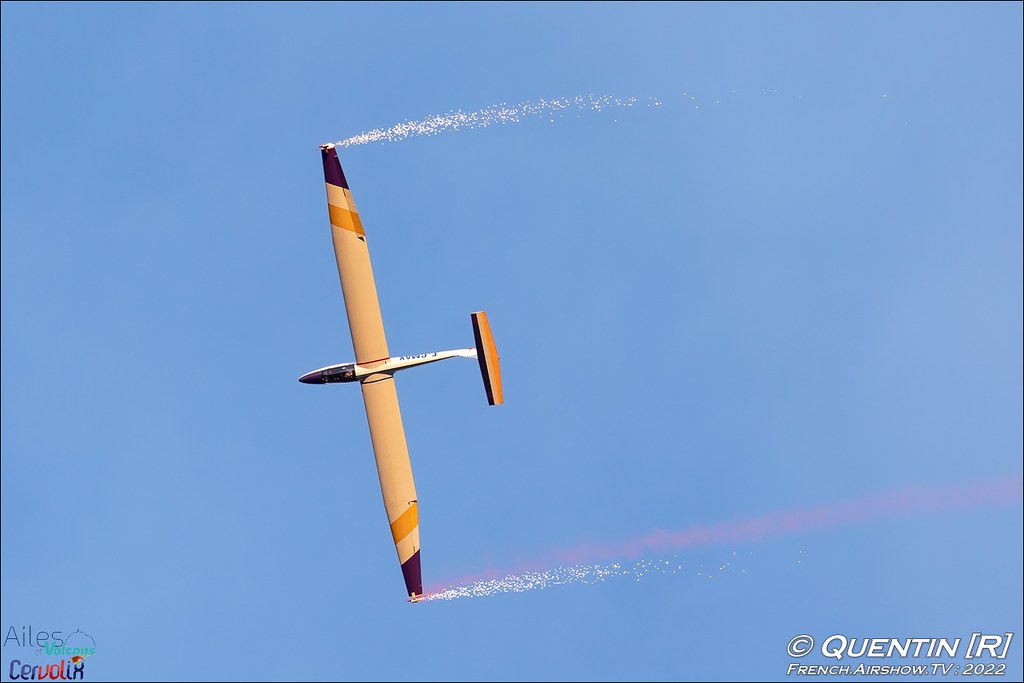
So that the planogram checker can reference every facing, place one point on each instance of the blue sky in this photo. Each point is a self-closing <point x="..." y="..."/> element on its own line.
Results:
<point x="801" y="287"/>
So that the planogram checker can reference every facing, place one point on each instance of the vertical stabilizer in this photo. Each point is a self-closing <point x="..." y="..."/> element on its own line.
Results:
<point x="487" y="356"/>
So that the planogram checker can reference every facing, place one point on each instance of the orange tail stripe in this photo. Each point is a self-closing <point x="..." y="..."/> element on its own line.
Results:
<point x="487" y="355"/>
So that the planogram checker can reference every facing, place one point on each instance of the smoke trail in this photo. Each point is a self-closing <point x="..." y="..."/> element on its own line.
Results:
<point x="560" y="576"/>
<point x="457" y="120"/>
<point x="590" y="563"/>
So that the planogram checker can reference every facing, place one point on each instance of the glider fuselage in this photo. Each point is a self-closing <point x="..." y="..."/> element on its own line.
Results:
<point x="354" y="372"/>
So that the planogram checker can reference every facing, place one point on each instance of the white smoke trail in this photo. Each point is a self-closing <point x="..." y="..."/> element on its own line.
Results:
<point x="561" y="576"/>
<point x="458" y="120"/>
<point x="576" y="564"/>
<point x="527" y="581"/>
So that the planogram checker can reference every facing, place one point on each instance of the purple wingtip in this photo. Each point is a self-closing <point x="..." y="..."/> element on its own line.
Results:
<point x="412" y="574"/>
<point x="332" y="166"/>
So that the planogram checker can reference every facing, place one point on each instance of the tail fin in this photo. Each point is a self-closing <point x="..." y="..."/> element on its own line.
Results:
<point x="487" y="356"/>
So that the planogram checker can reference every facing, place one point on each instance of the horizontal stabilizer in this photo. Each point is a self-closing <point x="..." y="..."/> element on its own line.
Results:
<point x="487" y="356"/>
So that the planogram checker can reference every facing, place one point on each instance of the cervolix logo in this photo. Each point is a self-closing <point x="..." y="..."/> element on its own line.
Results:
<point x="61" y="670"/>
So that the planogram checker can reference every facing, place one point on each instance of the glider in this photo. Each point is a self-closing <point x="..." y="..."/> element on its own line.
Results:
<point x="374" y="369"/>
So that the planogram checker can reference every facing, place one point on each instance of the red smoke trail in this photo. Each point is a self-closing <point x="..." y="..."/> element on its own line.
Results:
<point x="905" y="502"/>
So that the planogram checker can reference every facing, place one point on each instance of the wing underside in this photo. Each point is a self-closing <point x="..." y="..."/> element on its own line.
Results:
<point x="353" y="256"/>
<point x="395" y="472"/>
<point x="379" y="395"/>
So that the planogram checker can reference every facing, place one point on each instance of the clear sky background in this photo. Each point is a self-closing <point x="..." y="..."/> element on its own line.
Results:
<point x="801" y="287"/>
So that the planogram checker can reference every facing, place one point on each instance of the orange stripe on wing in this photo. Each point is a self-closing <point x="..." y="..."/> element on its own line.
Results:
<point x="403" y="526"/>
<point x="345" y="219"/>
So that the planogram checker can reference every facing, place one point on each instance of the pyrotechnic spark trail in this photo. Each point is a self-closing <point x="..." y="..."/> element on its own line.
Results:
<point x="591" y="563"/>
<point x="458" y="120"/>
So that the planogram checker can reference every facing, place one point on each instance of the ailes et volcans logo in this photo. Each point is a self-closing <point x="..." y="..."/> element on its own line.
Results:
<point x="72" y="650"/>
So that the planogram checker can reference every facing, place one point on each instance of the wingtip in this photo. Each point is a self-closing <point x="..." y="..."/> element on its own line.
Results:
<point x="332" y="166"/>
<point x="412" y="575"/>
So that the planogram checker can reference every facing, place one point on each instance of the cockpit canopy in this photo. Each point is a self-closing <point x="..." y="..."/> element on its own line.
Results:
<point x="336" y="373"/>
<point x="339" y="373"/>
